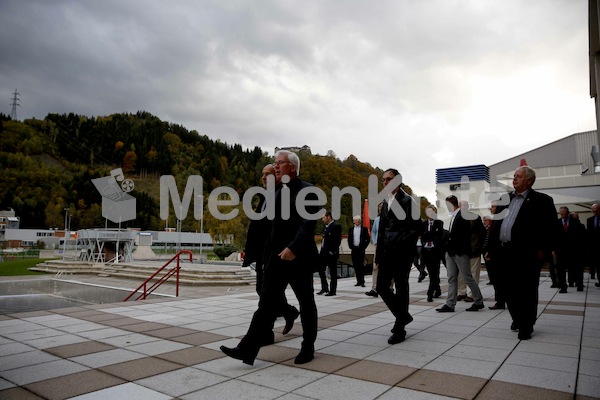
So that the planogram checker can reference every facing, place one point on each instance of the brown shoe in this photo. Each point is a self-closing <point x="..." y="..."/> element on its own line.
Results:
<point x="461" y="297"/>
<point x="468" y="299"/>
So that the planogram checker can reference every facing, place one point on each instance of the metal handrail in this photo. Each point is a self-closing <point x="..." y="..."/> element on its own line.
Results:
<point x="163" y="279"/>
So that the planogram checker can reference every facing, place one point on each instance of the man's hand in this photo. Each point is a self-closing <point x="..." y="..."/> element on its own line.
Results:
<point x="287" y="254"/>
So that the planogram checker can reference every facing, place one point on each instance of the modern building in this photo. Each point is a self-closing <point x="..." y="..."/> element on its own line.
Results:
<point x="564" y="170"/>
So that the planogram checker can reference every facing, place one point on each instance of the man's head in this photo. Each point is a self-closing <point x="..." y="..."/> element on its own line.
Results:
<point x="286" y="163"/>
<point x="327" y="218"/>
<point x="388" y="175"/>
<point x="266" y="171"/>
<point x="523" y="179"/>
<point x="356" y="220"/>
<point x="452" y="202"/>
<point x="431" y="212"/>
<point x="596" y="209"/>
<point x="564" y="212"/>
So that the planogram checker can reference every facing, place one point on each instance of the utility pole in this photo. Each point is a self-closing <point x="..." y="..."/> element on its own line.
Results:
<point x="15" y="103"/>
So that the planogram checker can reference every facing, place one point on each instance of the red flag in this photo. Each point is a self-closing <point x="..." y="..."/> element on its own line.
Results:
<point x="366" y="219"/>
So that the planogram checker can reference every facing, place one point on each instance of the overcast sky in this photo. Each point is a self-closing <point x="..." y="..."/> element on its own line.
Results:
<point x="414" y="85"/>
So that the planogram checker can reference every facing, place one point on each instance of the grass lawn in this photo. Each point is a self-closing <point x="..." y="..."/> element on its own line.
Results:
<point x="19" y="267"/>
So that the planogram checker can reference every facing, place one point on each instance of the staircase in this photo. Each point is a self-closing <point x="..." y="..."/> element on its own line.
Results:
<point x="213" y="274"/>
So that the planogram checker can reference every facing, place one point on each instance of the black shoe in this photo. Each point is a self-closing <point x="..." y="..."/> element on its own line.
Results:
<point x="497" y="307"/>
<point x="399" y="326"/>
<point x="358" y="284"/>
<point x="323" y="291"/>
<point x="397" y="338"/>
<point x="554" y="286"/>
<point x="289" y="322"/>
<point x="429" y="299"/>
<point x="330" y="294"/>
<point x="597" y="284"/>
<point x="476" y="307"/>
<point x="422" y="276"/>
<point x="362" y="284"/>
<point x="563" y="290"/>
<point x="514" y="327"/>
<point x="437" y="295"/>
<point x="524" y="335"/>
<point x="372" y="293"/>
<point x="238" y="354"/>
<point x="305" y="355"/>
<point x="445" y="308"/>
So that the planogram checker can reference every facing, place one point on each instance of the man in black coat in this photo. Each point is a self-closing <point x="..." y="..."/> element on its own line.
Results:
<point x="432" y="230"/>
<point x="522" y="241"/>
<point x="330" y="249"/>
<point x="570" y="248"/>
<point x="358" y="240"/>
<point x="593" y="242"/>
<point x="290" y="257"/>
<point x="396" y="247"/>
<point x="254" y="251"/>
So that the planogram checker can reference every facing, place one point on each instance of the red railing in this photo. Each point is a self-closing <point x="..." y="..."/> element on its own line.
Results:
<point x="168" y="274"/>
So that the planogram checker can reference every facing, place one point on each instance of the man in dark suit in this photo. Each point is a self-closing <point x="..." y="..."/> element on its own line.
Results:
<point x="358" y="240"/>
<point x="569" y="251"/>
<point x="522" y="241"/>
<point x="396" y="247"/>
<point x="593" y="242"/>
<point x="254" y="250"/>
<point x="458" y="256"/>
<point x="330" y="249"/>
<point x="432" y="230"/>
<point x="290" y="256"/>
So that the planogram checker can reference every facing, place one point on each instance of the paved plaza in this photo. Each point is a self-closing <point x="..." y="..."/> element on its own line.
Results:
<point x="169" y="349"/>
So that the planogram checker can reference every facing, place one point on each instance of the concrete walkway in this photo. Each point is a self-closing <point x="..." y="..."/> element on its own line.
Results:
<point x="169" y="349"/>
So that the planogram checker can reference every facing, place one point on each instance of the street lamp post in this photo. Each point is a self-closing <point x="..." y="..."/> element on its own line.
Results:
<point x="66" y="233"/>
<point x="201" y="224"/>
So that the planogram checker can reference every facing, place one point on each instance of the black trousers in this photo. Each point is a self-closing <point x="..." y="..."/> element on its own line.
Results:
<point x="395" y="267"/>
<point x="330" y="262"/>
<point x="278" y="275"/>
<point x="358" y="260"/>
<point x="431" y="259"/>
<point x="521" y="271"/>
<point x="498" y="278"/>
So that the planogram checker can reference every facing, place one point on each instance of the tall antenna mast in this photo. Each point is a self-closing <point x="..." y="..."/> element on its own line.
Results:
<point x="15" y="103"/>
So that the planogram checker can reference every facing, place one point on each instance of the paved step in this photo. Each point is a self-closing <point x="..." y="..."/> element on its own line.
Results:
<point x="214" y="274"/>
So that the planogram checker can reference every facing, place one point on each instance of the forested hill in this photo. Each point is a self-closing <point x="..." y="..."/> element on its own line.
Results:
<point x="48" y="165"/>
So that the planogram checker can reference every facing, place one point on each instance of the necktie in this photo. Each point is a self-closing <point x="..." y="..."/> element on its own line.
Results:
<point x="565" y="225"/>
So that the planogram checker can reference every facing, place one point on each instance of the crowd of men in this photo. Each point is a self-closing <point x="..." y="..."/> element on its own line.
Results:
<point x="519" y="237"/>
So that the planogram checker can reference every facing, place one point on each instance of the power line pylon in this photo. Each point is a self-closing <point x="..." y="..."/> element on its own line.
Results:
<point x="15" y="103"/>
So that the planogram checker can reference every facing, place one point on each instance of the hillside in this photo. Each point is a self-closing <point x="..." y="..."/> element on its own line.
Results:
<point x="48" y="165"/>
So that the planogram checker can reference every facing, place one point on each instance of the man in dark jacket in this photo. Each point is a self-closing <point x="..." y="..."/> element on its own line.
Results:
<point x="523" y="241"/>
<point x="396" y="247"/>
<point x="290" y="257"/>
<point x="254" y="251"/>
<point x="358" y="240"/>
<point x="330" y="250"/>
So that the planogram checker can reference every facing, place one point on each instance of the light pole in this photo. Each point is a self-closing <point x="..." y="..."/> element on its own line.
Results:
<point x="66" y="233"/>
<point x="201" y="224"/>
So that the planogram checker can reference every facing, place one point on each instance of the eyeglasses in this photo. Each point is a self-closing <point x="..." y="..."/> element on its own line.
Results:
<point x="384" y="180"/>
<point x="280" y="163"/>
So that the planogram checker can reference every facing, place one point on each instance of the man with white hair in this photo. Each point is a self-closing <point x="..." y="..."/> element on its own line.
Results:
<point x="290" y="258"/>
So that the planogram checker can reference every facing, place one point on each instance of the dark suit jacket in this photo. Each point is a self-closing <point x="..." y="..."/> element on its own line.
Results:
<point x="593" y="239"/>
<point x="364" y="239"/>
<point x="459" y="242"/>
<point x="570" y="243"/>
<point x="332" y="238"/>
<point x="534" y="230"/>
<point x="295" y="232"/>
<point x="435" y="235"/>
<point x="397" y="234"/>
<point x="256" y="237"/>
